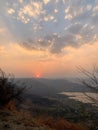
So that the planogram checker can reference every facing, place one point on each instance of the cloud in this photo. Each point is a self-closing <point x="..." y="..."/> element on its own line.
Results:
<point x="76" y="35"/>
<point x="37" y="44"/>
<point x="11" y="11"/>
<point x="21" y="1"/>
<point x="53" y="43"/>
<point x="75" y="28"/>
<point x="50" y="25"/>
<point x="87" y="33"/>
<point x="95" y="19"/>
<point x="46" y="1"/>
<point x="3" y="53"/>
<point x="48" y="18"/>
<point x="5" y="35"/>
<point x="2" y="49"/>
<point x="74" y="9"/>
<point x="56" y="10"/>
<point x="95" y="8"/>
<point x="33" y="9"/>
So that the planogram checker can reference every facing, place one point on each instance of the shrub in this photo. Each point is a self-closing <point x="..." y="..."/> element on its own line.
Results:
<point x="9" y="91"/>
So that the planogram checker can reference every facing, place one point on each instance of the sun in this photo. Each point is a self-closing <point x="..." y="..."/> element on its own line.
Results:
<point x="38" y="75"/>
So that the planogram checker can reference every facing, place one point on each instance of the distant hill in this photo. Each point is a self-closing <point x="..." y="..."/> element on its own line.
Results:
<point x="50" y="87"/>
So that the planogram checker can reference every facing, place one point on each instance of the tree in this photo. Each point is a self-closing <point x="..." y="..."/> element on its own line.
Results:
<point x="91" y="80"/>
<point x="9" y="91"/>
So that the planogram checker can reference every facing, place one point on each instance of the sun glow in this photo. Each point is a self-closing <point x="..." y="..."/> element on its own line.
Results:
<point x="38" y="75"/>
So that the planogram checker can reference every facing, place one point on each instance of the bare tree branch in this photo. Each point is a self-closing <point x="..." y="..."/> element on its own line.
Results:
<point x="91" y="81"/>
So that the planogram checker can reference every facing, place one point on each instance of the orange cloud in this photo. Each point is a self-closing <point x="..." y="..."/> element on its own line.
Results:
<point x="24" y="63"/>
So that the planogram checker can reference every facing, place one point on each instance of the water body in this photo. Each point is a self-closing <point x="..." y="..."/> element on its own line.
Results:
<point x="87" y="97"/>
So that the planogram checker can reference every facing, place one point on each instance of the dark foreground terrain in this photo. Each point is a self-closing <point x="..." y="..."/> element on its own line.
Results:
<point x="43" y="99"/>
<point x="43" y="107"/>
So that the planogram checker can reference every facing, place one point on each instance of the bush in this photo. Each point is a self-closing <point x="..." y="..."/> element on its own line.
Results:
<point x="9" y="91"/>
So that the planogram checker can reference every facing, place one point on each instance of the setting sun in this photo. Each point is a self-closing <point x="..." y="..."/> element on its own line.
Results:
<point x="38" y="75"/>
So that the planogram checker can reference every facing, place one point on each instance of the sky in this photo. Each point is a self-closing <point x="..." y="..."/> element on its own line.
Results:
<point x="48" y="38"/>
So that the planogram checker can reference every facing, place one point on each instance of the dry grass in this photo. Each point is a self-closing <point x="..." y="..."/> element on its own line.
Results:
<point x="24" y="121"/>
<point x="19" y="121"/>
<point x="60" y="124"/>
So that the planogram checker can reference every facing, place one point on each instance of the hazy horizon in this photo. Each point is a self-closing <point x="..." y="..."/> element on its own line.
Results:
<point x="48" y="39"/>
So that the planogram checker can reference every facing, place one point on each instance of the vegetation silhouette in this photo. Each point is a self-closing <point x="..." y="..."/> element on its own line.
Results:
<point x="9" y="91"/>
<point x="91" y="81"/>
